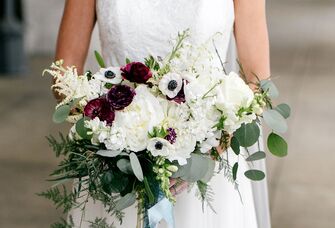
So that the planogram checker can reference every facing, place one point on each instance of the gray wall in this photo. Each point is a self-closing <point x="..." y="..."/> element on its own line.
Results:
<point x="42" y="18"/>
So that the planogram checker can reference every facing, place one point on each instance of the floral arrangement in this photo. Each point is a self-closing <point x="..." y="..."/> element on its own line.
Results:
<point x="136" y="126"/>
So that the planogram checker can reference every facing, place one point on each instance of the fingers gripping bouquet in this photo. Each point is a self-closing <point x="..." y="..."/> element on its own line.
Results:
<point x="136" y="126"/>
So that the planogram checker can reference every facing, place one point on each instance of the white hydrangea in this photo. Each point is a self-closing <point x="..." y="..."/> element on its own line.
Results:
<point x="139" y="118"/>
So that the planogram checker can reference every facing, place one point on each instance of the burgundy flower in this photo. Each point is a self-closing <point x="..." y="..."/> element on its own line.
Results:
<point x="136" y="72"/>
<point x="172" y="135"/>
<point x="100" y="108"/>
<point x="180" y="98"/>
<point x="120" y="96"/>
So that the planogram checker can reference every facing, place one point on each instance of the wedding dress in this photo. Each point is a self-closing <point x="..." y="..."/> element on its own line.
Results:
<point x="136" y="28"/>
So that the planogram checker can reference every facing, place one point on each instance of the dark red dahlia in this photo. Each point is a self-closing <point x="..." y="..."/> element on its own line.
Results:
<point x="100" y="108"/>
<point x="136" y="72"/>
<point x="172" y="135"/>
<point x="120" y="96"/>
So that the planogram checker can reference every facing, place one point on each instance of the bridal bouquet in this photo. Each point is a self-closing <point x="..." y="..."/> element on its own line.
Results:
<point x="136" y="126"/>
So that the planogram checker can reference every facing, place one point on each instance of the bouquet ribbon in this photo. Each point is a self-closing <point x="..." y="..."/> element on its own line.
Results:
<point x="162" y="210"/>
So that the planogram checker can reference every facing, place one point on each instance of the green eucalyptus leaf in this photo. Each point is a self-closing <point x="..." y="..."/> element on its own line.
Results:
<point x="125" y="201"/>
<point x="128" y="61"/>
<point x="256" y="156"/>
<point x="125" y="166"/>
<point x="235" y="145"/>
<point x="147" y="188"/>
<point x="99" y="59"/>
<point x="196" y="168"/>
<point x="248" y="134"/>
<point x="81" y="129"/>
<point x="210" y="171"/>
<point x="270" y="87"/>
<point x="277" y="145"/>
<point x="255" y="175"/>
<point x="109" y="153"/>
<point x="61" y="113"/>
<point x="235" y="169"/>
<point x="275" y="121"/>
<point x="284" y="110"/>
<point x="136" y="166"/>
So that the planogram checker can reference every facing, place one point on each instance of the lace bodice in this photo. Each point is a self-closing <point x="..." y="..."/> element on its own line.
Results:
<point x="137" y="28"/>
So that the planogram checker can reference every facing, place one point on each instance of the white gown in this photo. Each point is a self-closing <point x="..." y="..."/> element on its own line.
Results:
<point x="135" y="28"/>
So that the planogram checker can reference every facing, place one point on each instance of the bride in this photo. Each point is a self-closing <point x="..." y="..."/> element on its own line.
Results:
<point x="135" y="28"/>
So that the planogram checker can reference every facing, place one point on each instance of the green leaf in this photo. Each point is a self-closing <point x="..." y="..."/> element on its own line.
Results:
<point x="196" y="168"/>
<point x="81" y="129"/>
<point x="235" y="145"/>
<point x="99" y="59"/>
<point x="210" y="171"/>
<point x="248" y="134"/>
<point x="235" y="168"/>
<point x="109" y="153"/>
<point x="275" y="121"/>
<point x="270" y="87"/>
<point x="255" y="175"/>
<point x="150" y="195"/>
<point x="284" y="110"/>
<point x="277" y="145"/>
<point x="125" y="166"/>
<point x="125" y="201"/>
<point x="128" y="61"/>
<point x="61" y="113"/>
<point x="256" y="156"/>
<point x="136" y="166"/>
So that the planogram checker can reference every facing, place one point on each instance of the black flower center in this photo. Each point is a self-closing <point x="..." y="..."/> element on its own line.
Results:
<point x="159" y="145"/>
<point x="172" y="85"/>
<point x="109" y="74"/>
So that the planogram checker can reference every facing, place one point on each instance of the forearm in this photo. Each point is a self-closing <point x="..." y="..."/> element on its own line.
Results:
<point x="252" y="38"/>
<point x="75" y="32"/>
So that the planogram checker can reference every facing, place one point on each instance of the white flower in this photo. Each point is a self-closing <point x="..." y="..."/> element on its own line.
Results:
<point x="233" y="93"/>
<point x="109" y="75"/>
<point x="171" y="84"/>
<point x="139" y="118"/>
<point x="160" y="147"/>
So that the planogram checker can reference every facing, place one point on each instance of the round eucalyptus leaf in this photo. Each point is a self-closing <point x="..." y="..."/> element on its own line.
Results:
<point x="255" y="175"/>
<point x="109" y="153"/>
<point x="235" y="145"/>
<point x="256" y="156"/>
<point x="125" y="166"/>
<point x="277" y="145"/>
<point x="270" y="87"/>
<point x="284" y="110"/>
<point x="125" y="202"/>
<point x="136" y="166"/>
<point x="81" y="129"/>
<point x="210" y="171"/>
<point x="248" y="134"/>
<point x="197" y="168"/>
<point x="275" y="121"/>
<point x="61" y="113"/>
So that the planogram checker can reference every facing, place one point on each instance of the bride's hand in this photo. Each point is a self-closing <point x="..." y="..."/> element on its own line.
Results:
<point x="177" y="186"/>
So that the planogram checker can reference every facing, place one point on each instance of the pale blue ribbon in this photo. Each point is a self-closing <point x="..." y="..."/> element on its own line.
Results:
<point x="162" y="210"/>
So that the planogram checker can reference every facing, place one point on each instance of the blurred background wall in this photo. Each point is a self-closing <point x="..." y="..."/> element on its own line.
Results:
<point x="302" y="189"/>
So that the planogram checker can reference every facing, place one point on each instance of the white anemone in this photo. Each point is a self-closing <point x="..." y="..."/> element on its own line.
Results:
<point x="171" y="84"/>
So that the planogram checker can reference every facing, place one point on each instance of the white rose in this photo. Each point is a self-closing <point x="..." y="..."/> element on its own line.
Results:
<point x="139" y="118"/>
<point x="233" y="93"/>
